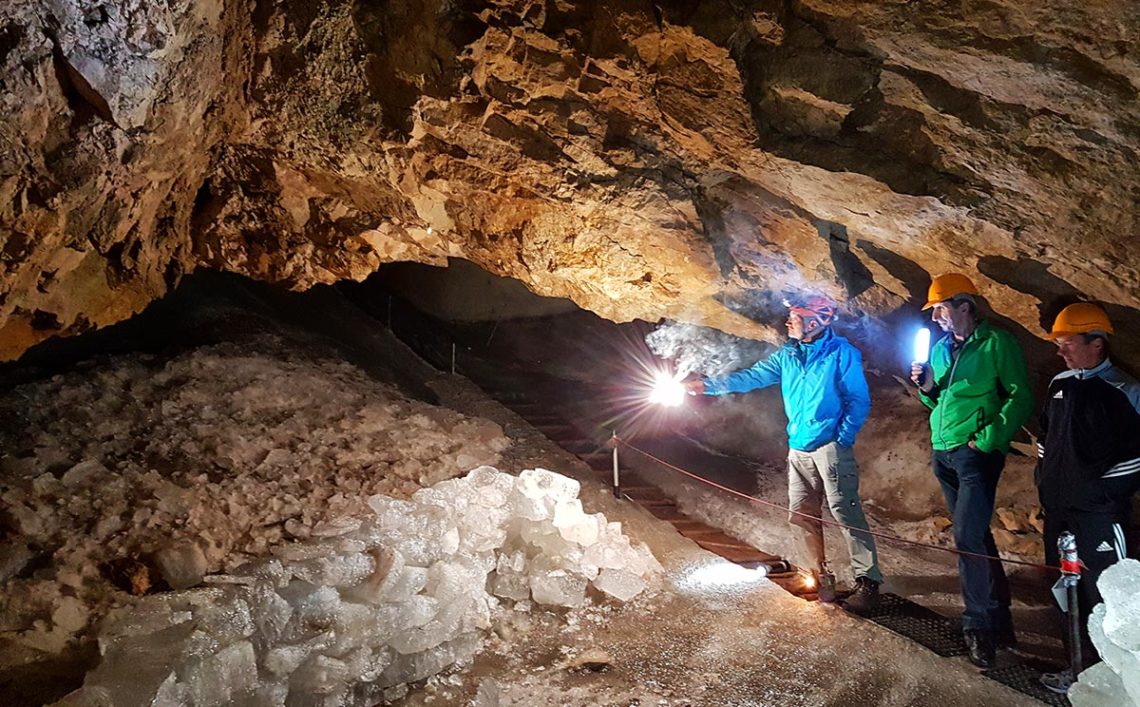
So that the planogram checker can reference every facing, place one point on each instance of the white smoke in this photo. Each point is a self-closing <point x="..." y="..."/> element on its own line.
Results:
<point x="709" y="352"/>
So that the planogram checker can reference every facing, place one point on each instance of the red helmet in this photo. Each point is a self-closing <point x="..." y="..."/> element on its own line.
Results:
<point x="817" y="306"/>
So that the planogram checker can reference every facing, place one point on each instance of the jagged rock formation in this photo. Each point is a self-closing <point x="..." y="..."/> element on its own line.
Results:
<point x="670" y="159"/>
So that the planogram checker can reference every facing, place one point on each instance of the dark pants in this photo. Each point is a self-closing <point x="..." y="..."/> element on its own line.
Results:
<point x="1100" y="543"/>
<point x="969" y="481"/>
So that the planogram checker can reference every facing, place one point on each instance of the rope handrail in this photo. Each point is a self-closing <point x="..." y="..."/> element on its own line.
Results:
<point x="824" y="521"/>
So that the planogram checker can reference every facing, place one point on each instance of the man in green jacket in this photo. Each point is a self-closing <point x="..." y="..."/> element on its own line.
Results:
<point x="977" y="388"/>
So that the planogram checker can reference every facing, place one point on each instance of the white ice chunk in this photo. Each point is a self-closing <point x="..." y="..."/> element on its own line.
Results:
<point x="409" y="582"/>
<point x="537" y="491"/>
<point x="417" y="666"/>
<point x="620" y="584"/>
<point x="270" y="612"/>
<point x="543" y="482"/>
<point x="335" y="570"/>
<point x="221" y="678"/>
<point x="492" y="486"/>
<point x="558" y="588"/>
<point x="1099" y="686"/>
<point x="544" y="536"/>
<point x="315" y="610"/>
<point x="219" y="626"/>
<point x="1118" y="586"/>
<point x="422" y="533"/>
<point x="1113" y="630"/>
<point x="575" y="526"/>
<point x="511" y="581"/>
<point x="611" y="553"/>
<point x="134" y="668"/>
<point x="1125" y="663"/>
<point x="320" y="675"/>
<point x="336" y="527"/>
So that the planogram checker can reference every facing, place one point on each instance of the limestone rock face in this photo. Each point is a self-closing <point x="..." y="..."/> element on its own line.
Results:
<point x="691" y="160"/>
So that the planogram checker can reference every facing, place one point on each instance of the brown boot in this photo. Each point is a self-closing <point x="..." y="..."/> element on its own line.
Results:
<point x="865" y="598"/>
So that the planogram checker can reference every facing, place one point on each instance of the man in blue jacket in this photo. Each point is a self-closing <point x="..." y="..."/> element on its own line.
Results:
<point x="826" y="401"/>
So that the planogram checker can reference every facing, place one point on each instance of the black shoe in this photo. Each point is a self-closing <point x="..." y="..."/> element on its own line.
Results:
<point x="865" y="598"/>
<point x="980" y="648"/>
<point x="1004" y="637"/>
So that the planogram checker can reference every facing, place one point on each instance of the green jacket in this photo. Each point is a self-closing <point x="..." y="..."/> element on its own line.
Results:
<point x="981" y="394"/>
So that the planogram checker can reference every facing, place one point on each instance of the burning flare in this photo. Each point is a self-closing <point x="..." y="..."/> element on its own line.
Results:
<point x="667" y="390"/>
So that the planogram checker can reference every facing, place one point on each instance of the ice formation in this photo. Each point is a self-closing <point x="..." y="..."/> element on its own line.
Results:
<point x="1115" y="631"/>
<point x="348" y="617"/>
<point x="198" y="464"/>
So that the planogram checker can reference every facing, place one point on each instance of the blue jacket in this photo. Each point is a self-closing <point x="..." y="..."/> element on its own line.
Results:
<point x="825" y="392"/>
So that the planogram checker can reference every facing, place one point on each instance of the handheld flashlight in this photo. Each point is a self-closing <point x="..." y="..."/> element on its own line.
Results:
<point x="922" y="345"/>
<point x="922" y="352"/>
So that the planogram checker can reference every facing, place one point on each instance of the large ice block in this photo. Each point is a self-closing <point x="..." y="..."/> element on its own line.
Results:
<point x="348" y="617"/>
<point x="1118" y="586"/>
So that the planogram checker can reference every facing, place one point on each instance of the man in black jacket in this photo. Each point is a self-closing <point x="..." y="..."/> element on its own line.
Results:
<point x="1089" y="457"/>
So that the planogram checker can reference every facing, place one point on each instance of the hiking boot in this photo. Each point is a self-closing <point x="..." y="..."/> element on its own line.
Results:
<point x="1058" y="682"/>
<point x="980" y="648"/>
<point x="865" y="598"/>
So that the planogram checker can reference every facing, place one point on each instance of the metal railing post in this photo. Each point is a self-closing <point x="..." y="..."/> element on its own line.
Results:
<point x="617" y="478"/>
<point x="1070" y="578"/>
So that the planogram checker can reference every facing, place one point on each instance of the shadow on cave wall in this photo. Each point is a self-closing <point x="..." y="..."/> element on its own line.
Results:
<point x="1034" y="278"/>
<point x="210" y="307"/>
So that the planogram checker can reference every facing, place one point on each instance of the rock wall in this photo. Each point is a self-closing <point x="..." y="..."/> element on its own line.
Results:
<point x="645" y="160"/>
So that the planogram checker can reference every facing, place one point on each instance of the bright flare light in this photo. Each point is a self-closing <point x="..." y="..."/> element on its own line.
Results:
<point x="922" y="345"/>
<point x="667" y="391"/>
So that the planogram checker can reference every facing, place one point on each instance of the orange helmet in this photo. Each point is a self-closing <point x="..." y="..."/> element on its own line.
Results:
<point x="1081" y="318"/>
<point x="816" y="306"/>
<point x="948" y="286"/>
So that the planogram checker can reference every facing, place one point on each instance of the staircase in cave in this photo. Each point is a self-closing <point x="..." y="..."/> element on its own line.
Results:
<point x="595" y="452"/>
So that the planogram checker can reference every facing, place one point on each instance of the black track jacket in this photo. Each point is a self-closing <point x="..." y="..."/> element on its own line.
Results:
<point x="1089" y="449"/>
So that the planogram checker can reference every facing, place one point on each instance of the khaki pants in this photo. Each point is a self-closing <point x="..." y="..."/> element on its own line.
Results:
<point x="831" y="471"/>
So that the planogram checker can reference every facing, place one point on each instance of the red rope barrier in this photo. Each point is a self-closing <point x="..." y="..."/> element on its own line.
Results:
<point x="883" y="536"/>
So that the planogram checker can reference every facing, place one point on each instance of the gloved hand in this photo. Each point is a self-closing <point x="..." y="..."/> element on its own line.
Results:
<point x="694" y="386"/>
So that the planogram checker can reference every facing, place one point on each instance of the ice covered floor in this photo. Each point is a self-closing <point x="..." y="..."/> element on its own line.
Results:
<point x="748" y="644"/>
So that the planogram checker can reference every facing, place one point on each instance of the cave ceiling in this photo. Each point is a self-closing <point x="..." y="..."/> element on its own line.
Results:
<point x="683" y="160"/>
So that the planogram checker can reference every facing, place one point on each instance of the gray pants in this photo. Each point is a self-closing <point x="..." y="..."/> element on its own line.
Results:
<point x="831" y="470"/>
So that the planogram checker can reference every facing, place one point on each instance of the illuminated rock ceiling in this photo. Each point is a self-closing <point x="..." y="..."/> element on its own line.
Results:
<point x="690" y="160"/>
